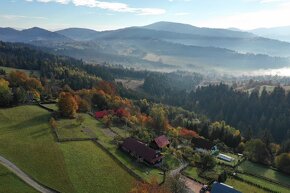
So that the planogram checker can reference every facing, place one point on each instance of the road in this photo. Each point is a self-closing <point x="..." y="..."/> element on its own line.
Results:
<point x="12" y="167"/>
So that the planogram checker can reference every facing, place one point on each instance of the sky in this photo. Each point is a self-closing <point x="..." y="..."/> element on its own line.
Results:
<point x="113" y="14"/>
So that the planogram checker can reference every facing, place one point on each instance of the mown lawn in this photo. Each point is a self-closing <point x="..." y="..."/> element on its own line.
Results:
<point x="26" y="140"/>
<point x="264" y="183"/>
<point x="93" y="170"/>
<point x="10" y="183"/>
<point x="68" y="128"/>
<point x="193" y="173"/>
<point x="264" y="171"/>
<point x="243" y="187"/>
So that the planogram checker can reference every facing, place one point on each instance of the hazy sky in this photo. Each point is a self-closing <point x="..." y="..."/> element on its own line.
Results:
<point x="112" y="14"/>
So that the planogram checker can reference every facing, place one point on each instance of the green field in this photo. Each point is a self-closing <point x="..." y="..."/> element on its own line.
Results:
<point x="243" y="187"/>
<point x="10" y="183"/>
<point x="28" y="72"/>
<point x="51" y="106"/>
<point x="68" y="128"/>
<point x="26" y="140"/>
<point x="264" y="183"/>
<point x="92" y="170"/>
<point x="264" y="171"/>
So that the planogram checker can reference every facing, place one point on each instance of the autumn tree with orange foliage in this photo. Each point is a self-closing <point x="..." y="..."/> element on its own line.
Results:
<point x="67" y="105"/>
<point x="152" y="187"/>
<point x="187" y="133"/>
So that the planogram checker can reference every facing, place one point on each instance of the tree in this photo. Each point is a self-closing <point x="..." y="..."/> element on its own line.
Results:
<point x="282" y="162"/>
<point x="5" y="93"/>
<point x="207" y="162"/>
<point x="257" y="151"/>
<point x="222" y="177"/>
<point x="152" y="187"/>
<point x="159" y="117"/>
<point x="176" y="184"/>
<point x="67" y="105"/>
<point x="80" y="119"/>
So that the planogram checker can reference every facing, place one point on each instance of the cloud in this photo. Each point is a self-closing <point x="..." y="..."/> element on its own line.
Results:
<point x="277" y="16"/>
<point x="182" y="13"/>
<point x="14" y="17"/>
<point x="111" y="6"/>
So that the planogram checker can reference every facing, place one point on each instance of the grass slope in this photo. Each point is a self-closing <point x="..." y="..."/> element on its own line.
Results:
<point x="243" y="187"/>
<point x="92" y="170"/>
<point x="264" y="171"/>
<point x="26" y="140"/>
<point x="10" y="183"/>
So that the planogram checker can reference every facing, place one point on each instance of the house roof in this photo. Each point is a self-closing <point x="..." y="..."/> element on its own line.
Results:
<point x="223" y="188"/>
<point x="141" y="149"/>
<point x="161" y="141"/>
<point x="202" y="143"/>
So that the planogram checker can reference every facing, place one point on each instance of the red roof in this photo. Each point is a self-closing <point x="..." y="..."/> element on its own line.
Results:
<point x="161" y="141"/>
<point x="101" y="114"/>
<point x="141" y="149"/>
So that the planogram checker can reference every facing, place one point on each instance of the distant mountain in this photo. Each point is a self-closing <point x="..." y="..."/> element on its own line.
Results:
<point x="30" y="35"/>
<point x="79" y="34"/>
<point x="238" y="41"/>
<point x="279" y="33"/>
<point x="189" y="29"/>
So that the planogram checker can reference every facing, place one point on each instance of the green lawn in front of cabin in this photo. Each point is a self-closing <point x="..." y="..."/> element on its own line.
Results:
<point x="264" y="183"/>
<point x="26" y="140"/>
<point x="28" y="72"/>
<point x="243" y="186"/>
<point x="68" y="128"/>
<point x="10" y="183"/>
<point x="264" y="171"/>
<point x="93" y="170"/>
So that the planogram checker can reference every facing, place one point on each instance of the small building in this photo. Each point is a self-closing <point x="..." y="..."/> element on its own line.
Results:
<point x="203" y="145"/>
<point x="141" y="151"/>
<point x="223" y="188"/>
<point x="160" y="142"/>
<point x="225" y="157"/>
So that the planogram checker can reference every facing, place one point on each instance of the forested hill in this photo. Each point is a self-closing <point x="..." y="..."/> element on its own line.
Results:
<point x="256" y="115"/>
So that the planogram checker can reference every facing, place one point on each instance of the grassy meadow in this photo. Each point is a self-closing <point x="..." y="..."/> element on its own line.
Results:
<point x="10" y="183"/>
<point x="26" y="140"/>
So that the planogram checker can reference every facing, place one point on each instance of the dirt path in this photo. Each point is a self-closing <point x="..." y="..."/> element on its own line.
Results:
<point x="12" y="167"/>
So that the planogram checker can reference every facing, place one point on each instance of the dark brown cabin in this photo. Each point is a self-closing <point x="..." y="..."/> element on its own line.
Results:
<point x="141" y="151"/>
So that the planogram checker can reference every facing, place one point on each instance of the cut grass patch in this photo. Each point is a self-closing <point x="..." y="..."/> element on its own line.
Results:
<point x="26" y="140"/>
<point x="51" y="106"/>
<point x="10" y="183"/>
<point x="264" y="183"/>
<point x="93" y="170"/>
<point x="265" y="172"/>
<point x="193" y="173"/>
<point x="243" y="186"/>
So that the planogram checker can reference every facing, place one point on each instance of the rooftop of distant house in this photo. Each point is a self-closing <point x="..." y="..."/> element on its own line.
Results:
<point x="161" y="141"/>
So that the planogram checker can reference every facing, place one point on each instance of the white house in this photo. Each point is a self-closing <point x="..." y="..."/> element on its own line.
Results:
<point x="225" y="157"/>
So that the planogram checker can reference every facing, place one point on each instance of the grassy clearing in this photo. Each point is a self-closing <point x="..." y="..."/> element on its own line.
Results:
<point x="51" y="106"/>
<point x="28" y="72"/>
<point x="264" y="171"/>
<point x="121" y="131"/>
<point x="193" y="173"/>
<point x="9" y="182"/>
<point x="243" y="187"/>
<point x="264" y="183"/>
<point x="171" y="161"/>
<point x="26" y="140"/>
<point x="93" y="170"/>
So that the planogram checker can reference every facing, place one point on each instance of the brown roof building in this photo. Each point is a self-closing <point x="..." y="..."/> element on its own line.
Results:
<point x="141" y="151"/>
<point x="161" y="142"/>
